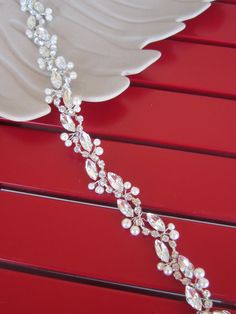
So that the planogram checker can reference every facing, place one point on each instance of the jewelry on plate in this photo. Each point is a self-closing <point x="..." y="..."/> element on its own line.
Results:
<point x="138" y="222"/>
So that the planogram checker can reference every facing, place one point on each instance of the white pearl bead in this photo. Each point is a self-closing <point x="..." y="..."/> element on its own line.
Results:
<point x="135" y="230"/>
<point x="73" y="75"/>
<point x="127" y="185"/>
<point x="160" y="266"/>
<point x="174" y="234"/>
<point x="70" y="65"/>
<point x="135" y="191"/>
<point x="64" y="136"/>
<point x="68" y="143"/>
<point x="126" y="223"/>
<point x="199" y="272"/>
<point x="168" y="271"/>
<point x="171" y="226"/>
<point x="203" y="283"/>
<point x="76" y="101"/>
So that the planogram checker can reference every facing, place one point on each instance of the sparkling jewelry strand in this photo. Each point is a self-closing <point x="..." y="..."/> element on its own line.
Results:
<point x="136" y="221"/>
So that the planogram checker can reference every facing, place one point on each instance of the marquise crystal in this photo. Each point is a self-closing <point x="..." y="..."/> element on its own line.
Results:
<point x="185" y="266"/>
<point x="162" y="251"/>
<point x="67" y="122"/>
<point x="193" y="298"/>
<point x="91" y="169"/>
<point x="125" y="208"/>
<point x="56" y="79"/>
<point x="85" y="141"/>
<point x="115" y="181"/>
<point x="155" y="222"/>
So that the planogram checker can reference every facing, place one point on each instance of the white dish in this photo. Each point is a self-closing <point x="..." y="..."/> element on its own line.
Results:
<point x="103" y="38"/>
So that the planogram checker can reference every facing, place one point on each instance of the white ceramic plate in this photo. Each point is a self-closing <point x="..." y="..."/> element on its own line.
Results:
<point x="104" y="39"/>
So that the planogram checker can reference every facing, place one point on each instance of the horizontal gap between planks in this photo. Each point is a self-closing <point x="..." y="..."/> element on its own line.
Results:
<point x="42" y="272"/>
<point x="8" y="188"/>
<point x="183" y="148"/>
<point x="226" y="1"/>
<point x="202" y="41"/>
<point x="179" y="90"/>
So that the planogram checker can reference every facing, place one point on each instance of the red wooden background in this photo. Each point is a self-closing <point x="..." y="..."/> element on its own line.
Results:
<point x="62" y="249"/>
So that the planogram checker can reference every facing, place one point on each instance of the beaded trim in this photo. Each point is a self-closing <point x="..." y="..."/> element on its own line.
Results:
<point x="136" y="221"/>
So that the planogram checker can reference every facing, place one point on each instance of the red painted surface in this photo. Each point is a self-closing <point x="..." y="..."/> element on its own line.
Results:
<point x="192" y="67"/>
<point x="40" y="295"/>
<point x="87" y="240"/>
<point x="215" y="26"/>
<point x="170" y="180"/>
<point x="157" y="117"/>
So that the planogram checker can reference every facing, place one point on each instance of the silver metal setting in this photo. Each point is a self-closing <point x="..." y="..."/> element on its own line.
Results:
<point x="165" y="236"/>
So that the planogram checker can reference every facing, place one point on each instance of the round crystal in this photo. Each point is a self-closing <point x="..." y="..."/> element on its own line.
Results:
<point x="64" y="136"/>
<point x="206" y="293"/>
<point x="70" y="65"/>
<point x="91" y="186"/>
<point x="171" y="226"/>
<point x="48" y="11"/>
<point x="97" y="142"/>
<point x="208" y="304"/>
<point x="203" y="283"/>
<point x="39" y="7"/>
<point x="135" y="230"/>
<point x="174" y="234"/>
<point x="160" y="266"/>
<point x="48" y="91"/>
<point x="54" y="39"/>
<point x="99" y="151"/>
<point x="109" y="190"/>
<point x="49" y="17"/>
<point x="127" y="185"/>
<point x="126" y="223"/>
<point x="29" y="33"/>
<point x="199" y="272"/>
<point x="68" y="143"/>
<point x="76" y="149"/>
<point x="99" y="189"/>
<point x="73" y="75"/>
<point x="168" y="270"/>
<point x="135" y="191"/>
<point x="76" y="101"/>
<point x="165" y="238"/>
<point x="48" y="99"/>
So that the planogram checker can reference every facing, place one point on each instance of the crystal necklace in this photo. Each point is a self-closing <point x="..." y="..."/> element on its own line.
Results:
<point x="138" y="222"/>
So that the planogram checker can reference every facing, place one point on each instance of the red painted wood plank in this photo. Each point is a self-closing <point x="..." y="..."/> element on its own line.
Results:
<point x="161" y="118"/>
<point x="173" y="181"/>
<point x="89" y="241"/>
<point x="196" y="68"/>
<point x="215" y="26"/>
<point x="38" y="295"/>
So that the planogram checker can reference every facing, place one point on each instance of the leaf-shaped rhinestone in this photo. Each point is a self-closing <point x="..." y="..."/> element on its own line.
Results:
<point x="155" y="222"/>
<point x="56" y="79"/>
<point x="162" y="251"/>
<point x="115" y="181"/>
<point x="85" y="141"/>
<point x="31" y="22"/>
<point x="185" y="266"/>
<point x="125" y="208"/>
<point x="91" y="169"/>
<point x="67" y="122"/>
<point x="193" y="298"/>
<point x="67" y="98"/>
